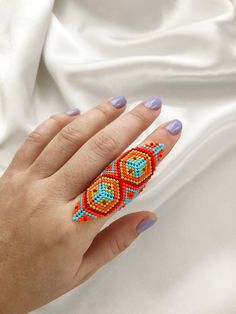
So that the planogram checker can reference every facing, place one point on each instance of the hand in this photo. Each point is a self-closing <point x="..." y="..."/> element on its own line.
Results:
<point x="43" y="252"/>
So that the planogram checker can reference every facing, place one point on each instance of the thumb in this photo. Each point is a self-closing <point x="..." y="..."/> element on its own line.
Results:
<point x="113" y="240"/>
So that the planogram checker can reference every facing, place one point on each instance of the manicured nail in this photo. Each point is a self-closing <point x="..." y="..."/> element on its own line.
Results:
<point x="118" y="102"/>
<point x="153" y="103"/>
<point x="73" y="112"/>
<point x="145" y="224"/>
<point x="174" y="127"/>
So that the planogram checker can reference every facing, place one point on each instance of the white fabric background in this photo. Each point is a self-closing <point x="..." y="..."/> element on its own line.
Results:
<point x="55" y="56"/>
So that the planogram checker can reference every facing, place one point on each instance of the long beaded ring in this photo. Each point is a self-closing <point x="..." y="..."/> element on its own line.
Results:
<point x="119" y="183"/>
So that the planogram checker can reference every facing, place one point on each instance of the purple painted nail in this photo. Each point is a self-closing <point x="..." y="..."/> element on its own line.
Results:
<point x="174" y="127"/>
<point x="145" y="224"/>
<point x="73" y="112"/>
<point x="118" y="102"/>
<point x="153" y="103"/>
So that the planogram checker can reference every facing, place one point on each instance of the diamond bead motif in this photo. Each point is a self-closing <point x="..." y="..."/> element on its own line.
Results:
<point x="119" y="183"/>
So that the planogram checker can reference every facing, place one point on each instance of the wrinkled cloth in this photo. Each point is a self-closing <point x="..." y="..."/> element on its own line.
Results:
<point x="68" y="53"/>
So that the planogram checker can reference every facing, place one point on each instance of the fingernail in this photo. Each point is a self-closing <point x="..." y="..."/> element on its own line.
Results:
<point x="153" y="103"/>
<point x="145" y="224"/>
<point x="174" y="127"/>
<point x="118" y="102"/>
<point x="73" y="112"/>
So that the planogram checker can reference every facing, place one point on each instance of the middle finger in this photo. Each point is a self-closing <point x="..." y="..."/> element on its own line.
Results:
<point x="101" y="149"/>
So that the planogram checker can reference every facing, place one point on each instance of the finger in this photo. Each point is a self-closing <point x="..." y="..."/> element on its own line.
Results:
<point x="40" y="137"/>
<point x="101" y="149"/>
<point x="75" y="134"/>
<point x="168" y="133"/>
<point x="112" y="241"/>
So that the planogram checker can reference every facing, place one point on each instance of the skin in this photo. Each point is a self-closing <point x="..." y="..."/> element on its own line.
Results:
<point x="43" y="254"/>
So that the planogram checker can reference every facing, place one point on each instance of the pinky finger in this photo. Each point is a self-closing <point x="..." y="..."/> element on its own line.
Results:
<point x="112" y="241"/>
<point x="38" y="139"/>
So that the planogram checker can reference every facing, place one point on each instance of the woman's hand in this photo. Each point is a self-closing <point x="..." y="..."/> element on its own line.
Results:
<point x="43" y="253"/>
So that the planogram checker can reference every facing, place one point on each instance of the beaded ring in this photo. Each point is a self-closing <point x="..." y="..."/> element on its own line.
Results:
<point x="119" y="183"/>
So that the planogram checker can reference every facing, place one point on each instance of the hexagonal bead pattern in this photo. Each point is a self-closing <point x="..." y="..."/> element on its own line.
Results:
<point x="119" y="183"/>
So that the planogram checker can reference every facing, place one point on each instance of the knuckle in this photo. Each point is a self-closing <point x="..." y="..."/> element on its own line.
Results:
<point x="139" y="117"/>
<point x="57" y="119"/>
<point x="102" y="111"/>
<point x="118" y="245"/>
<point x="65" y="232"/>
<point x="70" y="135"/>
<point x="61" y="236"/>
<point x="104" y="144"/>
<point x="152" y="138"/>
<point x="35" y="137"/>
